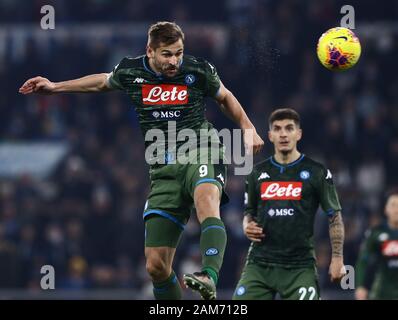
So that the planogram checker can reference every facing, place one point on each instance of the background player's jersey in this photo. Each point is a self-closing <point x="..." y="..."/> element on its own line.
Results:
<point x="284" y="200"/>
<point x="158" y="99"/>
<point x="379" y="251"/>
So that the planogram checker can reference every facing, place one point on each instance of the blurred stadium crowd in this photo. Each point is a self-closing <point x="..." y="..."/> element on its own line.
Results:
<point x="86" y="218"/>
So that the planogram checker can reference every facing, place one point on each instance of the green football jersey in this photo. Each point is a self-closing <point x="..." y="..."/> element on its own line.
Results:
<point x="284" y="200"/>
<point x="168" y="104"/>
<point x="379" y="251"/>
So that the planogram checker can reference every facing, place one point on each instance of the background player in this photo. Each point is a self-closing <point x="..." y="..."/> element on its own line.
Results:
<point x="282" y="196"/>
<point x="379" y="253"/>
<point x="163" y="84"/>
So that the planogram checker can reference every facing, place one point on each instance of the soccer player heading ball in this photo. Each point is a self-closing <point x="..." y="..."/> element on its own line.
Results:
<point x="282" y="196"/>
<point x="166" y="85"/>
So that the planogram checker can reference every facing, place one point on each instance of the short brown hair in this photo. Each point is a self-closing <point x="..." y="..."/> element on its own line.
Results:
<point x="283" y="114"/>
<point x="164" y="32"/>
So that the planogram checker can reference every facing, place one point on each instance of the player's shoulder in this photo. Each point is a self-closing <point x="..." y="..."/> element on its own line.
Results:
<point x="198" y="64"/>
<point x="129" y="62"/>
<point x="260" y="168"/>
<point x="313" y="163"/>
<point x="263" y="164"/>
<point x="316" y="166"/>
<point x="379" y="230"/>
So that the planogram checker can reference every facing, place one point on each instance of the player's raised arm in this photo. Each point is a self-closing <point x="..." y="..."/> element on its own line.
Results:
<point x="233" y="109"/>
<point x="90" y="83"/>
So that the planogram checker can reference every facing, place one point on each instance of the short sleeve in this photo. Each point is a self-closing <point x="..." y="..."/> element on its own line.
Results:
<point x="212" y="80"/>
<point x="328" y="197"/>
<point x="113" y="78"/>
<point x="250" y="201"/>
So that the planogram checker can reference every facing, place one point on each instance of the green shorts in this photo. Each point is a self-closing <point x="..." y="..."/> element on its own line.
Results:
<point x="260" y="282"/>
<point x="172" y="193"/>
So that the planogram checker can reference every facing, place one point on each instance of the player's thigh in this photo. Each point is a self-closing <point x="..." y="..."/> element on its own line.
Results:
<point x="252" y="285"/>
<point x="161" y="231"/>
<point x="299" y="284"/>
<point x="167" y="195"/>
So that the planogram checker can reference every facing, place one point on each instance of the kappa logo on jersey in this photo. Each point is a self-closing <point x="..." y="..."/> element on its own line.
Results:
<point x="164" y="94"/>
<point x="212" y="68"/>
<point x="328" y="175"/>
<point x="139" y="80"/>
<point x="220" y="176"/>
<point x="263" y="175"/>
<point x="390" y="248"/>
<point x="281" y="212"/>
<point x="281" y="190"/>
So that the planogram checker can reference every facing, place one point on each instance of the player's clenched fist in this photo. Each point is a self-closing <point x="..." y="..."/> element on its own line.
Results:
<point x="37" y="85"/>
<point x="253" y="142"/>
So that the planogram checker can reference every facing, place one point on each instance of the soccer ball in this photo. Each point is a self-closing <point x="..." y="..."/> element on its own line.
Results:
<point x="338" y="49"/>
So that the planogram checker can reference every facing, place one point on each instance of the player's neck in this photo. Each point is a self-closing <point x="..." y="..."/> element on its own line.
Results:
<point x="152" y="66"/>
<point x="286" y="158"/>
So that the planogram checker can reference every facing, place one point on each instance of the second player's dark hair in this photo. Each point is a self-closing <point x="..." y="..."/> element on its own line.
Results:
<point x="284" y="114"/>
<point x="164" y="32"/>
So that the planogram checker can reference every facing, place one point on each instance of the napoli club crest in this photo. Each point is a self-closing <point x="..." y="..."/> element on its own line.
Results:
<point x="189" y="79"/>
<point x="304" y="175"/>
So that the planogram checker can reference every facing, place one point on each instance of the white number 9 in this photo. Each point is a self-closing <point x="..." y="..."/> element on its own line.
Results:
<point x="203" y="170"/>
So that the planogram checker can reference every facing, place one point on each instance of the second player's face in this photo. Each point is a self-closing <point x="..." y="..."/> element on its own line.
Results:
<point x="392" y="209"/>
<point x="167" y="59"/>
<point x="284" y="134"/>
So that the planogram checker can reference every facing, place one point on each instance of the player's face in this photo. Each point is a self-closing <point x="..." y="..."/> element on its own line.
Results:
<point x="167" y="59"/>
<point x="284" y="134"/>
<point x="392" y="209"/>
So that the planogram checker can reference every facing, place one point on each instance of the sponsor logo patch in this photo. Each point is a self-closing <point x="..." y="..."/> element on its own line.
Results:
<point x="167" y="94"/>
<point x="166" y="114"/>
<point x="389" y="248"/>
<point x="281" y="190"/>
<point x="281" y="212"/>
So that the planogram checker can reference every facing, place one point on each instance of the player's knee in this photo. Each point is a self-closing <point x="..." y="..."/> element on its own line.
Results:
<point x="206" y="198"/>
<point x="157" y="269"/>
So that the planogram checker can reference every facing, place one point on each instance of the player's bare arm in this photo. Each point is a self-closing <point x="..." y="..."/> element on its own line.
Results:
<point x="90" y="83"/>
<point x="336" y="234"/>
<point x="233" y="109"/>
<point x="251" y="229"/>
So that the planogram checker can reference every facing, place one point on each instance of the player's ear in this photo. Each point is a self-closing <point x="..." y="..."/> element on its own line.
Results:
<point x="270" y="136"/>
<point x="149" y="51"/>
<point x="300" y="134"/>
